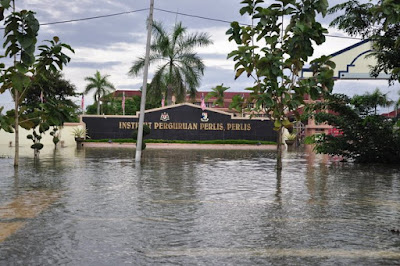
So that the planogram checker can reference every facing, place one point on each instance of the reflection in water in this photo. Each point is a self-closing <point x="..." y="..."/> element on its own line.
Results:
<point x="99" y="207"/>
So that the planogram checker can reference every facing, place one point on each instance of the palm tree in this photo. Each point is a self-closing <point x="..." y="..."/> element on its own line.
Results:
<point x="218" y="93"/>
<point x="368" y="103"/>
<point x="101" y="86"/>
<point x="238" y="103"/>
<point x="180" y="68"/>
<point x="380" y="99"/>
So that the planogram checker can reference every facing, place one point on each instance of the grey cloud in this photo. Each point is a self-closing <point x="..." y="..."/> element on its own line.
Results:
<point x="93" y="65"/>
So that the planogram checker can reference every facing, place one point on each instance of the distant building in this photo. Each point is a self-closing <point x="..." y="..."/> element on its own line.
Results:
<point x="392" y="114"/>
<point x="199" y="96"/>
<point x="128" y="93"/>
<point x="210" y="102"/>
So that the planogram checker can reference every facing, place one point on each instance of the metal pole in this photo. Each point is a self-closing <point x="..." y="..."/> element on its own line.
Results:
<point x="123" y="103"/>
<point x="145" y="73"/>
<point x="16" y="113"/>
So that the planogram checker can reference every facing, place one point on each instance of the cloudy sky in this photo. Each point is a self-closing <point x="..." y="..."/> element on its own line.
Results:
<point x="111" y="44"/>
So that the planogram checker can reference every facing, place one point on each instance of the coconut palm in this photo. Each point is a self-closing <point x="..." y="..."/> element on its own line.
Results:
<point x="368" y="103"/>
<point x="218" y="93"/>
<point x="180" y="68"/>
<point x="101" y="87"/>
<point x="238" y="103"/>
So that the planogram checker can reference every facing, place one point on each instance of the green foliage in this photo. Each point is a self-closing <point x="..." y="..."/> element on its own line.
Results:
<point x="367" y="104"/>
<point x="55" y="134"/>
<point x="218" y="93"/>
<point x="274" y="61"/>
<point x="91" y="109"/>
<point x="379" y="22"/>
<point x="35" y="137"/>
<point x="146" y="131"/>
<point x="238" y="103"/>
<point x="6" y="122"/>
<point x="20" y="39"/>
<point x="291" y="136"/>
<point x="113" y="106"/>
<point x="101" y="87"/>
<point x="79" y="133"/>
<point x="56" y="92"/>
<point x="51" y="58"/>
<point x="181" y="68"/>
<point x="368" y="138"/>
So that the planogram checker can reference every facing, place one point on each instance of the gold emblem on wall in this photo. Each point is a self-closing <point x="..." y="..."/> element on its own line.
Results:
<point x="204" y="117"/>
<point x="164" y="117"/>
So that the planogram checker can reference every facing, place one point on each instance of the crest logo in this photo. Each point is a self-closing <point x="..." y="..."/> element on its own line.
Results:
<point x="204" y="117"/>
<point x="164" y="117"/>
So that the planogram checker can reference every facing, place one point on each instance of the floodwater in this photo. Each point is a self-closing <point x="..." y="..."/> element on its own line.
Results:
<point x="97" y="206"/>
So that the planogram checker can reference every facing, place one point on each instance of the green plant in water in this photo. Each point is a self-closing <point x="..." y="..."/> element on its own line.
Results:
<point x="291" y="136"/>
<point x="274" y="57"/>
<point x="363" y="138"/>
<point x="146" y="131"/>
<point x="36" y="146"/>
<point x="56" y="136"/>
<point x="79" y="133"/>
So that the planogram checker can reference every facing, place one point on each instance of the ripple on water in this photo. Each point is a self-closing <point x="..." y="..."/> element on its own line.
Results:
<point x="196" y="207"/>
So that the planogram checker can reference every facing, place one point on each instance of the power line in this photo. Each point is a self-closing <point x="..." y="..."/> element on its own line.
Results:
<point x="343" y="37"/>
<point x="226" y="21"/>
<point x="166" y="11"/>
<point x="196" y="16"/>
<point x="90" y="18"/>
<point x="95" y="17"/>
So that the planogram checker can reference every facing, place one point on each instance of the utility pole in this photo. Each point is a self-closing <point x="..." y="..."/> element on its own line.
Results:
<point x="16" y="113"/>
<point x="144" y="87"/>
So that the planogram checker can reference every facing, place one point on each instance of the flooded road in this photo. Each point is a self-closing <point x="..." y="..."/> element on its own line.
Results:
<point x="188" y="207"/>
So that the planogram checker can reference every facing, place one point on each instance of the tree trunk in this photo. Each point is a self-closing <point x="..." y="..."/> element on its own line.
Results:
<point x="279" y="150"/>
<point x="98" y="107"/>
<point x="36" y="153"/>
<point x="169" y="94"/>
<point x="16" y="130"/>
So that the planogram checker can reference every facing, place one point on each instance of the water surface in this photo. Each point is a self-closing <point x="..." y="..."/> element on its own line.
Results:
<point x="188" y="207"/>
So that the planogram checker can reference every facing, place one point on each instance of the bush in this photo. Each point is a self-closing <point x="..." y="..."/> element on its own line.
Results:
<point x="364" y="138"/>
<point x="146" y="131"/>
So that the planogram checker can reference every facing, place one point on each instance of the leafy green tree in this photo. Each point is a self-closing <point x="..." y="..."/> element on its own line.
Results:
<point x="379" y="22"/>
<point x="238" y="103"/>
<point x="218" y="93"/>
<point x="154" y="97"/>
<point x="180" y="68"/>
<point x="367" y="138"/>
<point x="112" y="106"/>
<point x="20" y="33"/>
<point x="54" y="89"/>
<point x="101" y="87"/>
<point x="46" y="105"/>
<point x="274" y="61"/>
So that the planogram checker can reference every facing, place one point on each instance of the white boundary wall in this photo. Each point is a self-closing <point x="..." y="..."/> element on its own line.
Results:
<point x="66" y="137"/>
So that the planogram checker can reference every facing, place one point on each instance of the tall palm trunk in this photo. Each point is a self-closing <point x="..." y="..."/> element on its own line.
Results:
<point x="169" y="86"/>
<point x="169" y="94"/>
<point x="98" y="107"/>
